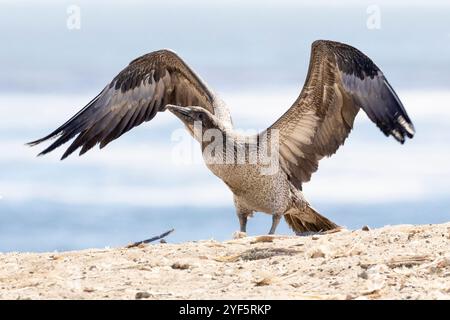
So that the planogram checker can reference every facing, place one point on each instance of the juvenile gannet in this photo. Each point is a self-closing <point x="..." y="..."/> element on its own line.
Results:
<point x="340" y="81"/>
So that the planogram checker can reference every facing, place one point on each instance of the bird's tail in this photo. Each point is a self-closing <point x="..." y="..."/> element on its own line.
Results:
<point x="303" y="218"/>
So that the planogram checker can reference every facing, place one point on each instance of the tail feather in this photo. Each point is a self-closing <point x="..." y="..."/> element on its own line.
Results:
<point x="307" y="219"/>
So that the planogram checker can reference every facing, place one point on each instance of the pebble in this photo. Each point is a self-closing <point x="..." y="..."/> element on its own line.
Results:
<point x="142" y="295"/>
<point x="180" y="266"/>
<point x="363" y="275"/>
<point x="318" y="254"/>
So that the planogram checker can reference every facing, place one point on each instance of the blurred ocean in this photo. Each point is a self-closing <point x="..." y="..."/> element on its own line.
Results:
<point x="256" y="56"/>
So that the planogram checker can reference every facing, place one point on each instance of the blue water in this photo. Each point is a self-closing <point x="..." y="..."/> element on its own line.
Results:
<point x="132" y="190"/>
<point x="43" y="226"/>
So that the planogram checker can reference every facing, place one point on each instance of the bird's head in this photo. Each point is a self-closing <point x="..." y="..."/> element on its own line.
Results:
<point x="195" y="116"/>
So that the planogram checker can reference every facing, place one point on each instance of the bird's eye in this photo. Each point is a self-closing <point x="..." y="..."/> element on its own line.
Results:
<point x="200" y="116"/>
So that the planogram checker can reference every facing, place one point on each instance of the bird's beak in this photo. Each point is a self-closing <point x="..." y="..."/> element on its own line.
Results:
<point x="183" y="113"/>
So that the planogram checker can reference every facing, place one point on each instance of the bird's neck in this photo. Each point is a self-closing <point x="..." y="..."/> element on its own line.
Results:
<point x="220" y="142"/>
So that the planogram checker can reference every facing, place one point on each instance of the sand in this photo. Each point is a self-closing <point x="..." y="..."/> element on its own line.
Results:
<point x="393" y="262"/>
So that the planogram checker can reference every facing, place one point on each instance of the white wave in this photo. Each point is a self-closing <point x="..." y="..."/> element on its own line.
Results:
<point x="211" y="195"/>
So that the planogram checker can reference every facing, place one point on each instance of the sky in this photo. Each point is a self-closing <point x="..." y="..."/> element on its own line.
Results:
<point x="231" y="46"/>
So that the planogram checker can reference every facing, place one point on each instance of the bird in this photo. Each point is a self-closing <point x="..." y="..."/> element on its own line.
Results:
<point x="264" y="171"/>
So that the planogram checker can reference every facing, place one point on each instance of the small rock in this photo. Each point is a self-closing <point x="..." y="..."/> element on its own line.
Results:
<point x="318" y="253"/>
<point x="162" y="241"/>
<point x="355" y="252"/>
<point x="315" y="238"/>
<point x="229" y="272"/>
<point x="263" y="282"/>
<point x="142" y="295"/>
<point x="363" y="275"/>
<point x="438" y="265"/>
<point x="180" y="266"/>
<point x="365" y="228"/>
<point x="443" y="263"/>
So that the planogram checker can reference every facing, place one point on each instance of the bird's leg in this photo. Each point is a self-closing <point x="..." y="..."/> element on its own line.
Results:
<point x="275" y="221"/>
<point x="243" y="213"/>
<point x="242" y="221"/>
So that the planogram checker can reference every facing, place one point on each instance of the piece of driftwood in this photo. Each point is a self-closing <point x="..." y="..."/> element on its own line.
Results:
<point x="408" y="261"/>
<point x="401" y="261"/>
<point x="257" y="254"/>
<point x="161" y="236"/>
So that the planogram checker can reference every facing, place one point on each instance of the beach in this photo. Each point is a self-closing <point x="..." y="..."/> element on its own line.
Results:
<point x="392" y="262"/>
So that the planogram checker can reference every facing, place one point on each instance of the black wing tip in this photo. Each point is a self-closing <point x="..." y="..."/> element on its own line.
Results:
<point x="411" y="135"/>
<point x="39" y="141"/>
<point x="68" y="152"/>
<point x="47" y="150"/>
<point x="407" y="126"/>
<point x="36" y="142"/>
<point x="32" y="143"/>
<point x="403" y="131"/>
<point x="50" y="148"/>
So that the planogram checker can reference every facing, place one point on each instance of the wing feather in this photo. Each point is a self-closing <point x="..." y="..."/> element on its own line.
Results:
<point x="134" y="96"/>
<point x="340" y="81"/>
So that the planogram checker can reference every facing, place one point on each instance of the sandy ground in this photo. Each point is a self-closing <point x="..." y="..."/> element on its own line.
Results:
<point x="394" y="262"/>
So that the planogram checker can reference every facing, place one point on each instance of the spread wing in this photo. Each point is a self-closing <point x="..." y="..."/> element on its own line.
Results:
<point x="340" y="81"/>
<point x="135" y="95"/>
